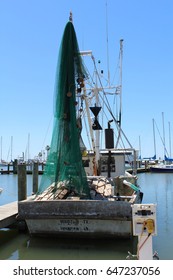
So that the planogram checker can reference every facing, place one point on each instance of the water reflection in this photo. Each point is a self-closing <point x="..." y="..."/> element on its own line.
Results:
<point x="157" y="188"/>
<point x="8" y="248"/>
<point x="41" y="248"/>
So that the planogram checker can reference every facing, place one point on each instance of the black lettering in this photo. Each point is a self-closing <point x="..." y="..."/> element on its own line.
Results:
<point x="70" y="270"/>
<point x="15" y="271"/>
<point x="41" y="272"/>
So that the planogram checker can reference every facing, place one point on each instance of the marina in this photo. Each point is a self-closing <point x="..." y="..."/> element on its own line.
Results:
<point x="9" y="208"/>
<point x="84" y="192"/>
<point x="157" y="189"/>
<point x="84" y="199"/>
<point x="11" y="168"/>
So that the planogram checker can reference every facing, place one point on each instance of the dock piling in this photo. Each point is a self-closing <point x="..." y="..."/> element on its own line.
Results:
<point x="15" y="166"/>
<point x="22" y="193"/>
<point x="35" y="177"/>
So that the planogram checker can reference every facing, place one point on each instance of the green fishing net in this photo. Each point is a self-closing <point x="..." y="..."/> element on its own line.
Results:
<point x="64" y="163"/>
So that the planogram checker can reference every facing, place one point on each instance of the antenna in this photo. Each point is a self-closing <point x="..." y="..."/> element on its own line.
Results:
<point x="107" y="43"/>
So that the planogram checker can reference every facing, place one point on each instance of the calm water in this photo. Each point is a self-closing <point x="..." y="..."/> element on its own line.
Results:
<point x="157" y="188"/>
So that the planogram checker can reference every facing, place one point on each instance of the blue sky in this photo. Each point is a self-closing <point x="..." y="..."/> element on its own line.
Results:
<point x="30" y="35"/>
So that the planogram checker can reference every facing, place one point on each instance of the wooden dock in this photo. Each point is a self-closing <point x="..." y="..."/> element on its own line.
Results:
<point x="8" y="213"/>
<point x="12" y="168"/>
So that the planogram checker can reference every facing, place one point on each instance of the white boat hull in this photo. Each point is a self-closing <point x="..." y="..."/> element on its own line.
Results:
<point x="162" y="168"/>
<point x="84" y="218"/>
<point x="80" y="227"/>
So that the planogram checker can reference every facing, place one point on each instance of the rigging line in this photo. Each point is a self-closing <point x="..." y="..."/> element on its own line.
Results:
<point x="102" y="124"/>
<point x="160" y="136"/>
<point x="118" y="64"/>
<point x="89" y="75"/>
<point x="163" y="132"/>
<point x="8" y="154"/>
<point x="108" y="107"/>
<point x="116" y="70"/>
<point x="43" y="144"/>
<point x="107" y="104"/>
<point x="87" y="133"/>
<point x="122" y="144"/>
<point x="104" y="114"/>
<point x="120" y="138"/>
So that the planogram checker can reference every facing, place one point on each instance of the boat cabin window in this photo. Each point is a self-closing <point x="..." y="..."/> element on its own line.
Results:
<point x="104" y="164"/>
<point x="86" y="162"/>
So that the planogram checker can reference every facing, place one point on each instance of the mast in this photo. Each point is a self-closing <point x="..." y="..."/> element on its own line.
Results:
<point x="121" y="65"/>
<point x="11" y="148"/>
<point x="169" y="140"/>
<point x="140" y="147"/>
<point x="95" y="141"/>
<point x="163" y="135"/>
<point x="119" y="91"/>
<point x="98" y="86"/>
<point x="107" y="43"/>
<point x="154" y="138"/>
<point x="91" y="131"/>
<point x="1" y="148"/>
<point x="97" y="132"/>
<point x="28" y="146"/>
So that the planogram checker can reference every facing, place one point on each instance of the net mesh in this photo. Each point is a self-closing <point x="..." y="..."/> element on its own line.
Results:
<point x="64" y="163"/>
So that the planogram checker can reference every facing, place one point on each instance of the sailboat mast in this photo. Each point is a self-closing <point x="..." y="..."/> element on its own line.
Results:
<point x="1" y="148"/>
<point x="163" y="135"/>
<point x="11" y="148"/>
<point x="169" y="139"/>
<point x="140" y="147"/>
<point x="28" y="146"/>
<point x="154" y="138"/>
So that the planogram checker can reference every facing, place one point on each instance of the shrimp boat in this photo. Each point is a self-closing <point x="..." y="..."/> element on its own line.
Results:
<point x="84" y="191"/>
